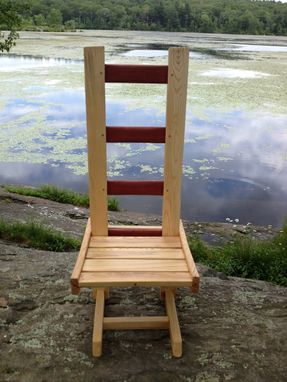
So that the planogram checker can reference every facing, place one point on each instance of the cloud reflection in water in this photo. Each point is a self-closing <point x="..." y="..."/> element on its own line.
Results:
<point x="235" y="162"/>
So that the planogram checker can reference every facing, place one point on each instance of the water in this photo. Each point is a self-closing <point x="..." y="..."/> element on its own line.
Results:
<point x="235" y="161"/>
<point x="233" y="73"/>
<point x="260" y="48"/>
<point x="156" y="53"/>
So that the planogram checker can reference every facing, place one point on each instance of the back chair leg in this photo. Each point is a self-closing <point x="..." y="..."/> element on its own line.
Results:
<point x="162" y="294"/>
<point x="107" y="293"/>
<point x="174" y="329"/>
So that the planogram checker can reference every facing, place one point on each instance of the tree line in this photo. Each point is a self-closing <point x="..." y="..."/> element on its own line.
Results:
<point x="207" y="16"/>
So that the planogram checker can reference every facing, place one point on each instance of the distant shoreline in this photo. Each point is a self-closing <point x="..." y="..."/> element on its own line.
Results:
<point x="71" y="219"/>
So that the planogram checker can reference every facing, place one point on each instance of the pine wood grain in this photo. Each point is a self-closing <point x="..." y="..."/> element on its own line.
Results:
<point x="81" y="258"/>
<point x="175" y="124"/>
<point x="189" y="259"/>
<point x="136" y="323"/>
<point x="98" y="323"/>
<point x="121" y="279"/>
<point x="134" y="265"/>
<point x="135" y="253"/>
<point x="174" y="329"/>
<point x="134" y="242"/>
<point x="96" y="132"/>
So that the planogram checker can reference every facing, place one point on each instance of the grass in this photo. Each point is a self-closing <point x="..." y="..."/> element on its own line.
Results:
<point x="247" y="257"/>
<point x="37" y="236"/>
<point x="59" y="195"/>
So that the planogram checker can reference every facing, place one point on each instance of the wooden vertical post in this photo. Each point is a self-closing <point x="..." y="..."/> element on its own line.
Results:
<point x="175" y="124"/>
<point x="174" y="329"/>
<point x="96" y="130"/>
<point x="98" y="322"/>
<point x="107" y="293"/>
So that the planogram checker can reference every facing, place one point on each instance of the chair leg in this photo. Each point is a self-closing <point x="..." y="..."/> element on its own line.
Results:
<point x="162" y="292"/>
<point x="174" y="329"/>
<point x="98" y="321"/>
<point x="107" y="293"/>
<point x="170" y="321"/>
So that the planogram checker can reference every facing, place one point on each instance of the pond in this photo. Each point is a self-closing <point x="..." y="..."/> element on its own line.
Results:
<point x="235" y="159"/>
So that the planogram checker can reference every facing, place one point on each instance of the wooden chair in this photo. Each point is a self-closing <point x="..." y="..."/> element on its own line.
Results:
<point x="122" y="256"/>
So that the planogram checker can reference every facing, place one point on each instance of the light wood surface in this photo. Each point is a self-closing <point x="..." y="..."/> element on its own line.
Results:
<point x="174" y="329"/>
<point x="121" y="279"/>
<point x="135" y="253"/>
<point x="81" y="258"/>
<point x="136" y="323"/>
<point x="98" y="323"/>
<point x="189" y="259"/>
<point x="107" y="293"/>
<point x="134" y="265"/>
<point x="134" y="242"/>
<point x="139" y="230"/>
<point x="122" y="261"/>
<point x="175" y="123"/>
<point x="96" y="131"/>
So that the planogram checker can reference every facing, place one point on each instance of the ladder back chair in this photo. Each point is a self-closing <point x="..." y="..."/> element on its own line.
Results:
<point x="122" y="256"/>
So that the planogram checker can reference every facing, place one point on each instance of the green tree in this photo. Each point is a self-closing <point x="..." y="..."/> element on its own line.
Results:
<point x="70" y="25"/>
<point x="39" y="20"/>
<point x="10" y="20"/>
<point x="205" y="23"/>
<point x="213" y="16"/>
<point x="249" y="23"/>
<point x="54" y="18"/>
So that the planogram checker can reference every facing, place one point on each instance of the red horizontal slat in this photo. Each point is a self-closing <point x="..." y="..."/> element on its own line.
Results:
<point x="135" y="187"/>
<point x="135" y="231"/>
<point x="141" y="74"/>
<point x="135" y="134"/>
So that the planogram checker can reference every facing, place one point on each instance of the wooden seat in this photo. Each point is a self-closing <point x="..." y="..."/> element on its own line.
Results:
<point x="107" y="261"/>
<point x="124" y="256"/>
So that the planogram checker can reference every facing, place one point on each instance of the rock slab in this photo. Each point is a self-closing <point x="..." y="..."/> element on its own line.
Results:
<point x="233" y="330"/>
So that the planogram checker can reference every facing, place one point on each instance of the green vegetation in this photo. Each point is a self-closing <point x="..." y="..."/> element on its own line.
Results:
<point x="37" y="236"/>
<point x="225" y="55"/>
<point x="59" y="195"/>
<point x="246" y="257"/>
<point x="218" y="16"/>
<point x="11" y="14"/>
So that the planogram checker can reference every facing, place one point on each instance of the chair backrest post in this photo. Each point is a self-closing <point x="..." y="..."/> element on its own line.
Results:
<point x="96" y="133"/>
<point x="178" y="59"/>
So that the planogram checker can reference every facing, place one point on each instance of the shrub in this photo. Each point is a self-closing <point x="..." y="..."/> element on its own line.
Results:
<point x="247" y="257"/>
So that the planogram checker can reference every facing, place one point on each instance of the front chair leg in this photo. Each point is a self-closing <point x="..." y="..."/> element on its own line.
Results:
<point x="98" y="321"/>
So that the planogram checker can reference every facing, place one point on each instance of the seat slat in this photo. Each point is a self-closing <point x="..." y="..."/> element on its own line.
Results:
<point x="134" y="242"/>
<point x="110" y="279"/>
<point x="135" y="253"/>
<point x="134" y="265"/>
